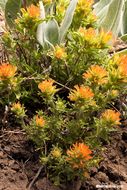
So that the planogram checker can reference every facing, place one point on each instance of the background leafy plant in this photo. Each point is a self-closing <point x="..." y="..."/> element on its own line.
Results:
<point x="114" y="9"/>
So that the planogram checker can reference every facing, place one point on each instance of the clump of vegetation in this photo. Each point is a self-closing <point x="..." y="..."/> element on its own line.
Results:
<point x="70" y="80"/>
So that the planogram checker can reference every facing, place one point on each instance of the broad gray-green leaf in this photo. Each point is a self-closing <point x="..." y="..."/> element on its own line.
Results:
<point x="11" y="9"/>
<point x="52" y="31"/>
<point x="100" y="5"/>
<point x="40" y="33"/>
<point x="2" y="4"/>
<point x="41" y="26"/>
<point x="124" y="20"/>
<point x="101" y="9"/>
<point x="114" y="15"/>
<point x="67" y="19"/>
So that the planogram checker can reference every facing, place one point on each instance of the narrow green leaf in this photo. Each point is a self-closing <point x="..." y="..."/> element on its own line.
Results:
<point x="122" y="52"/>
<point x="124" y="37"/>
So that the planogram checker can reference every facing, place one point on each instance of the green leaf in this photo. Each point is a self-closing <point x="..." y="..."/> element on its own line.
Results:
<point x="122" y="52"/>
<point x="52" y="31"/>
<point x="3" y="4"/>
<point x="11" y="9"/>
<point x="67" y="19"/>
<point x="124" y="37"/>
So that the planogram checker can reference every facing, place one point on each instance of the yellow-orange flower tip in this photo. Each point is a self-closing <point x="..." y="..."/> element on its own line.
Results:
<point x="96" y="73"/>
<point x="122" y="65"/>
<point x="33" y="11"/>
<point x="16" y="106"/>
<point x="59" y="52"/>
<point x="7" y="71"/>
<point x="56" y="152"/>
<point x="105" y="36"/>
<point x="47" y="1"/>
<point x="111" y="116"/>
<point x="82" y="4"/>
<point x="87" y="33"/>
<point x="39" y="121"/>
<point x="47" y="86"/>
<point x="81" y="92"/>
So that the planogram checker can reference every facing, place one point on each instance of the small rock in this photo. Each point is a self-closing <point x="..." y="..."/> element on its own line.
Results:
<point x="102" y="177"/>
<point x="124" y="136"/>
<point x="1" y="154"/>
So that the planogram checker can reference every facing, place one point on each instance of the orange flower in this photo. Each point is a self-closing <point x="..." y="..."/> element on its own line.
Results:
<point x="79" y="154"/>
<point x="33" y="11"/>
<point x="111" y="116"/>
<point x="7" y="70"/>
<point x="39" y="121"/>
<point x="83" y="92"/>
<point x="88" y="34"/>
<point x="46" y="86"/>
<point x="97" y="74"/>
<point x="59" y="52"/>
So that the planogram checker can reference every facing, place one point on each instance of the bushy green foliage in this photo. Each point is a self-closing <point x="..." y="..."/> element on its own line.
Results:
<point x="71" y="85"/>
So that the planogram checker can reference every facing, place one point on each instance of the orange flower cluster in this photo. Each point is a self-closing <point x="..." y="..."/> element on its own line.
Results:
<point x="111" y="116"/>
<point x="88" y="34"/>
<point x="123" y="65"/>
<point x="96" y="74"/>
<point x="81" y="92"/>
<point x="7" y="71"/>
<point x="39" y="121"/>
<point x="47" y="87"/>
<point x="33" y="11"/>
<point x="59" y="52"/>
<point x="81" y="152"/>
<point x="91" y="35"/>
